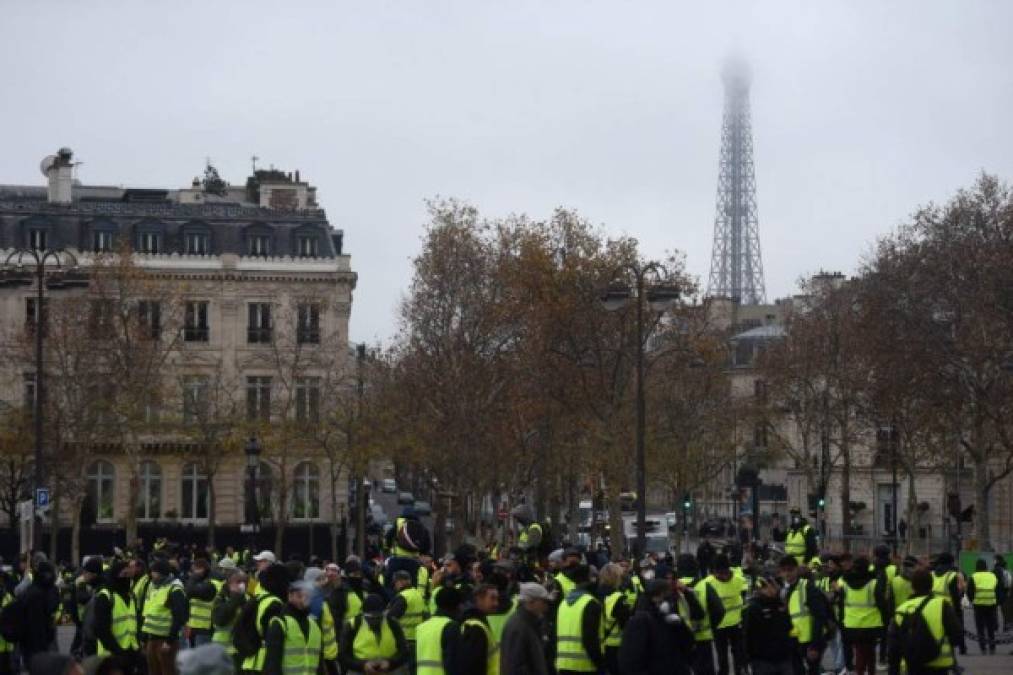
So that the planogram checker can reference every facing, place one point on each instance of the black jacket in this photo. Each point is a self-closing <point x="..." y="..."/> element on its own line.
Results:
<point x="473" y="652"/>
<point x="41" y="600"/>
<point x="590" y="625"/>
<point x="522" y="651"/>
<point x="102" y="615"/>
<point x="819" y="610"/>
<point x="766" y="625"/>
<point x="274" y="640"/>
<point x="651" y="645"/>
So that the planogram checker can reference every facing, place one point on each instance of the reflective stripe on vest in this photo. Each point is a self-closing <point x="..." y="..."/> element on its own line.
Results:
<point x="794" y="543"/>
<point x="492" y="646"/>
<point x="933" y="613"/>
<point x="798" y="607"/>
<point x="985" y="584"/>
<point x="429" y="646"/>
<point x="730" y="593"/>
<point x="415" y="611"/>
<point x="302" y="652"/>
<point x="611" y="633"/>
<point x="860" y="610"/>
<point x="157" y="614"/>
<point x="570" y="652"/>
<point x="124" y="622"/>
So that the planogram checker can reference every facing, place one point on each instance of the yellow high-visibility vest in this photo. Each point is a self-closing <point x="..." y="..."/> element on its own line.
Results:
<point x="570" y="652"/>
<point x="985" y="584"/>
<point x="860" y="610"/>
<point x="933" y="613"/>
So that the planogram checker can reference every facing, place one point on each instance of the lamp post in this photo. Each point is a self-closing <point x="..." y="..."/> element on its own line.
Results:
<point x="658" y="296"/>
<point x="40" y="258"/>
<point x="252" y="451"/>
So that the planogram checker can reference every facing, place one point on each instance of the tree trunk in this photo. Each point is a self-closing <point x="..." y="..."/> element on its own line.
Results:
<point x="982" y="531"/>
<point x="912" y="513"/>
<point x="211" y="510"/>
<point x="75" y="531"/>
<point x="130" y="520"/>
<point x="573" y="516"/>
<point x="616" y="535"/>
<point x="846" y="495"/>
<point x="54" y="525"/>
<point x="334" y="512"/>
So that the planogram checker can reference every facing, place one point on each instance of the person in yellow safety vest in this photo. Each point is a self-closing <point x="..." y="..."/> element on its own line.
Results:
<point x="114" y="618"/>
<point x="372" y="642"/>
<point x="293" y="644"/>
<point x="882" y="564"/>
<point x="478" y="651"/>
<point x="502" y="577"/>
<point x="141" y="581"/>
<point x="405" y="553"/>
<point x="985" y="594"/>
<point x="943" y="627"/>
<point x="201" y="590"/>
<point x="343" y="602"/>
<point x="688" y="570"/>
<point x="269" y="598"/>
<point x="615" y="613"/>
<point x="225" y="611"/>
<point x="529" y="533"/>
<point x="165" y="610"/>
<point x="437" y="639"/>
<point x="632" y="585"/>
<point x="407" y="607"/>
<point x="569" y="562"/>
<point x="799" y="539"/>
<point x="450" y="575"/>
<point x="900" y="585"/>
<point x="948" y="584"/>
<point x="863" y="607"/>
<point x="728" y="635"/>
<point x="85" y="586"/>
<point x="578" y="627"/>
<point x="6" y="648"/>
<point x="810" y="615"/>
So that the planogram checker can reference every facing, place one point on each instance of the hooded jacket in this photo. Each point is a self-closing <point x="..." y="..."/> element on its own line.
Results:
<point x="650" y="643"/>
<point x="41" y="600"/>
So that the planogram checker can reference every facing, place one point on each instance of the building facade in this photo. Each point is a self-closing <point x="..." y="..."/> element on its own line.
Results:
<point x="251" y="293"/>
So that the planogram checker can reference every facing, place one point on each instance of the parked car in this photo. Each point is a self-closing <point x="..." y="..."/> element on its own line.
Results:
<point x="389" y="485"/>
<point x="423" y="508"/>
<point x="405" y="498"/>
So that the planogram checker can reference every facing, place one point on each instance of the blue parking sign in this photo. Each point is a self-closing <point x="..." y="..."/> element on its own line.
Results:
<point x="41" y="497"/>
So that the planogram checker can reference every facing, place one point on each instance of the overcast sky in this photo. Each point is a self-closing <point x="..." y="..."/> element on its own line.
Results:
<point x="861" y="112"/>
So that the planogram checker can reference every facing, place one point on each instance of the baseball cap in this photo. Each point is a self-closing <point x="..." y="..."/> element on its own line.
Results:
<point x="265" y="556"/>
<point x="226" y="564"/>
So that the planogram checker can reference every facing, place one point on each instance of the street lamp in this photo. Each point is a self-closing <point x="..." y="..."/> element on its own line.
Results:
<point x="61" y="260"/>
<point x="252" y="451"/>
<point x="658" y="296"/>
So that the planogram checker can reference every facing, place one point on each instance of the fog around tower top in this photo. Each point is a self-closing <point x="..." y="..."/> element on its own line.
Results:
<point x="861" y="111"/>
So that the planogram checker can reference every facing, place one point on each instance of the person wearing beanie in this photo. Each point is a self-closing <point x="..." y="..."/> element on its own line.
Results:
<point x="41" y="602"/>
<point x="731" y="590"/>
<point x="269" y="596"/>
<point x="114" y="618"/>
<point x="85" y="586"/>
<point x="344" y="600"/>
<point x="479" y="647"/>
<point x="164" y="614"/>
<point x="863" y="612"/>
<point x="437" y="639"/>
<point x="578" y="622"/>
<point x="948" y="583"/>
<point x="767" y="628"/>
<point x="688" y="570"/>
<point x="985" y="595"/>
<point x="372" y="642"/>
<point x="293" y="642"/>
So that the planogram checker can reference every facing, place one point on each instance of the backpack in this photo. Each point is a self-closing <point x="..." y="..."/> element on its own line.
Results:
<point x="12" y="620"/>
<point x="246" y="637"/>
<point x="918" y="647"/>
<point x="413" y="536"/>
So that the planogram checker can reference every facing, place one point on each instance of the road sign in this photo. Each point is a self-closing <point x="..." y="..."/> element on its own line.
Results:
<point x="41" y="497"/>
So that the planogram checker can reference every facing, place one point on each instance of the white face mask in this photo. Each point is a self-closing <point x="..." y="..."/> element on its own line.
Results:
<point x="241" y="588"/>
<point x="647" y="574"/>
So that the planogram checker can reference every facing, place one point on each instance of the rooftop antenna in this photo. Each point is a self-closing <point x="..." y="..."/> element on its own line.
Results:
<point x="253" y="161"/>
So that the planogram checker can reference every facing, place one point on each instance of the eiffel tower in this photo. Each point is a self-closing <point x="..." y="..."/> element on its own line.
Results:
<point x="736" y="266"/>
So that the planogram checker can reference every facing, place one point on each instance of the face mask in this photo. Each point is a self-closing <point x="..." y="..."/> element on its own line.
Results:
<point x="647" y="574"/>
<point x="241" y="588"/>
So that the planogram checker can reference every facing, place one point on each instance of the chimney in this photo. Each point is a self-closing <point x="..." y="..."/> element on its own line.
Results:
<point x="59" y="170"/>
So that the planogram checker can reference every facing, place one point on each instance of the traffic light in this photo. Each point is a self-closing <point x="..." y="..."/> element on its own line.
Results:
<point x="821" y="502"/>
<point x="687" y="502"/>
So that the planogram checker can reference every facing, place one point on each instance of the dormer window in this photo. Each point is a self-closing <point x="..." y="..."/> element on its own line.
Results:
<point x="307" y="246"/>
<point x="101" y="241"/>
<point x="259" y="244"/>
<point x="196" y="243"/>
<point x="38" y="239"/>
<point x="149" y="242"/>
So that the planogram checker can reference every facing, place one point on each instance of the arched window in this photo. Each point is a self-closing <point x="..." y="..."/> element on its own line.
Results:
<point x="149" y="494"/>
<point x="306" y="492"/>
<point x="265" y="491"/>
<point x="194" y="495"/>
<point x="102" y="489"/>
